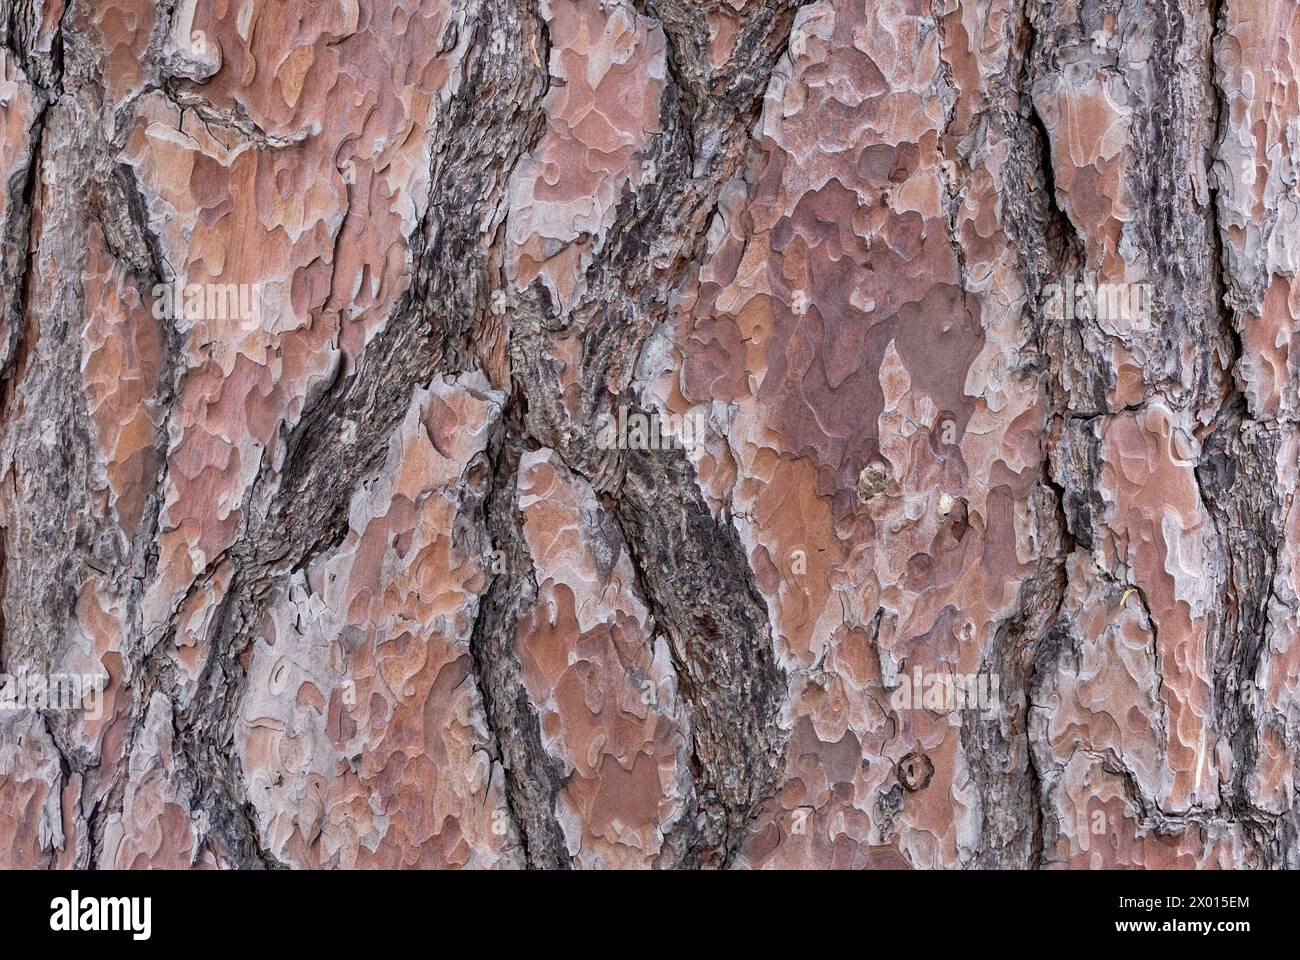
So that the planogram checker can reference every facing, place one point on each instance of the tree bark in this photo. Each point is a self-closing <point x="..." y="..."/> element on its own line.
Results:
<point x="649" y="433"/>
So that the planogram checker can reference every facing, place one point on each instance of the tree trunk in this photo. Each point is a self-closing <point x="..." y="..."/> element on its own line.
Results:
<point x="673" y="433"/>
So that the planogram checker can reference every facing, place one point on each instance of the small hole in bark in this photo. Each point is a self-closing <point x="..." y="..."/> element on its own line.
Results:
<point x="915" y="771"/>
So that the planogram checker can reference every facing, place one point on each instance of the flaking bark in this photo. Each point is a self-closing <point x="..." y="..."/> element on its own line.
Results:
<point x="366" y="587"/>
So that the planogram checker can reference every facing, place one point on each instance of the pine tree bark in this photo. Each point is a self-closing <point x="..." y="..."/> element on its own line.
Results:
<point x="649" y="433"/>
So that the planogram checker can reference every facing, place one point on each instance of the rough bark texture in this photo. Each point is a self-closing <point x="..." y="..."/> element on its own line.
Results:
<point x="367" y="585"/>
